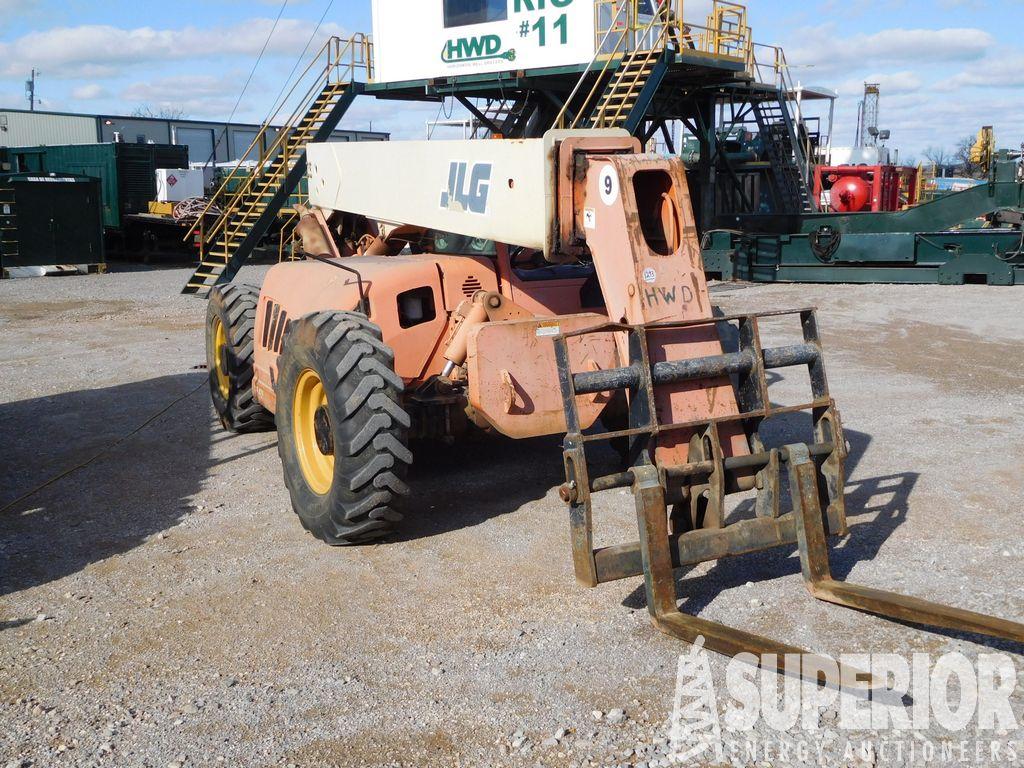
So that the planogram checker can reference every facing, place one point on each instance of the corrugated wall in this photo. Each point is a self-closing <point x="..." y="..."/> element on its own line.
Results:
<point x="25" y="129"/>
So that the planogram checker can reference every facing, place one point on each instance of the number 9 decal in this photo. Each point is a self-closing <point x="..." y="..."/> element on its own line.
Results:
<point x="609" y="185"/>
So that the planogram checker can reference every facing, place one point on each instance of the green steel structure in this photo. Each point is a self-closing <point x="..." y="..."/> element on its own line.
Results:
<point x="126" y="171"/>
<point x="969" y="236"/>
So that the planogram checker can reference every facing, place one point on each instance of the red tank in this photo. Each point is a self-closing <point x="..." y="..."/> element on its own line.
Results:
<point x="865" y="188"/>
<point x="851" y="194"/>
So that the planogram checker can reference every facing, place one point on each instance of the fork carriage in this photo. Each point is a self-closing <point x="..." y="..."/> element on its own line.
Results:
<point x="680" y="506"/>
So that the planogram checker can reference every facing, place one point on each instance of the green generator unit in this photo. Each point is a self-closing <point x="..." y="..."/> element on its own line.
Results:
<point x="127" y="172"/>
<point x="972" y="236"/>
<point x="50" y="219"/>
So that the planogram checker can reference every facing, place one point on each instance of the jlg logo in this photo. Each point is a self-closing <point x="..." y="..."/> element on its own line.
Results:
<point x="468" y="188"/>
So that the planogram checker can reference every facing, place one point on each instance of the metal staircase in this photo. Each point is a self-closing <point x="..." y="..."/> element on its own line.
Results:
<point x="631" y="89"/>
<point x="780" y="133"/>
<point x="636" y="58"/>
<point x="264" y="187"/>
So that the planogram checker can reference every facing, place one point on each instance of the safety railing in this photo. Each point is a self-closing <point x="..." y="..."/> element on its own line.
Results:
<point x="767" y="65"/>
<point x="927" y="184"/>
<point x="622" y="30"/>
<point x="632" y="24"/>
<point x="619" y="24"/>
<point x="727" y="33"/>
<point x="336" y="63"/>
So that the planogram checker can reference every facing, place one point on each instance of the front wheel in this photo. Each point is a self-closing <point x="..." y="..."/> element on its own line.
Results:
<point x="230" y="345"/>
<point x="342" y="430"/>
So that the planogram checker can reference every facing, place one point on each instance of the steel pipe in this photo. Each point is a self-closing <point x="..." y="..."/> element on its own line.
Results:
<point x="675" y="371"/>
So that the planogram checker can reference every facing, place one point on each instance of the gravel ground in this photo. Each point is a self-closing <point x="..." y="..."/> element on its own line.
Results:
<point x="161" y="606"/>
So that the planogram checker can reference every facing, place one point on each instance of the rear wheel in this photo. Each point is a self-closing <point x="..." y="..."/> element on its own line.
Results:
<point x="230" y="320"/>
<point x="342" y="430"/>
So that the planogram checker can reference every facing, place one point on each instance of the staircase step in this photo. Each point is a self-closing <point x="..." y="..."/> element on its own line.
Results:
<point x="242" y="213"/>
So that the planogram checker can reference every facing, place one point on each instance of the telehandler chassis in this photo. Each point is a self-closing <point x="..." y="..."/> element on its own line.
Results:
<point x="350" y="348"/>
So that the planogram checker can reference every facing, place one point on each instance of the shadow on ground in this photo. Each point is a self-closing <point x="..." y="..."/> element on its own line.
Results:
<point x="882" y="501"/>
<point x="875" y="508"/>
<point x="138" y="489"/>
<point x="886" y="498"/>
<point x="478" y="479"/>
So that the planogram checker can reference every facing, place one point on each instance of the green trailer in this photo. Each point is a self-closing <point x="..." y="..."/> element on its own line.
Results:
<point x="969" y="236"/>
<point x="50" y="219"/>
<point x="127" y="172"/>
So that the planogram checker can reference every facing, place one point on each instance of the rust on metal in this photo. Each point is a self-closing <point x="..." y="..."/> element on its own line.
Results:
<point x="696" y="427"/>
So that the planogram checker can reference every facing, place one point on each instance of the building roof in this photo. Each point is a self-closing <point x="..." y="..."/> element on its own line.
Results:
<point x="114" y="116"/>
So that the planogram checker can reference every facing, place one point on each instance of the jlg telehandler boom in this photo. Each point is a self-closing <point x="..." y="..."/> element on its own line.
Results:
<point x="531" y="288"/>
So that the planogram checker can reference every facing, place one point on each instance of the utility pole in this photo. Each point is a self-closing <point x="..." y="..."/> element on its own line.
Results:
<point x="30" y="91"/>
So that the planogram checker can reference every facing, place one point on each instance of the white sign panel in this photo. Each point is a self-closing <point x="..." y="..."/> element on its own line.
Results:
<point x="443" y="38"/>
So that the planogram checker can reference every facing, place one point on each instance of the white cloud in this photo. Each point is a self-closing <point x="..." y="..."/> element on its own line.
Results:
<point x="831" y="51"/>
<point x="11" y="7"/>
<point x="891" y="84"/>
<point x="89" y="92"/>
<point x="204" y="96"/>
<point x="1001" y="71"/>
<point x="177" y="86"/>
<point x="100" y="51"/>
<point x="937" y="86"/>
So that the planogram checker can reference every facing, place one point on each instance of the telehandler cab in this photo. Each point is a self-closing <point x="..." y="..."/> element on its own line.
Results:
<point x="529" y="288"/>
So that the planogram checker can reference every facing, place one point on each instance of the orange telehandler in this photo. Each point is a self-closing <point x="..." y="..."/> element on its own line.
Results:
<point x="532" y="288"/>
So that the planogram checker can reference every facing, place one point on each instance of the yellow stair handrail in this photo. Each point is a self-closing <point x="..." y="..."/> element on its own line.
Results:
<point x="560" y="119"/>
<point x="343" y="59"/>
<point x="662" y="17"/>
<point x="658" y="47"/>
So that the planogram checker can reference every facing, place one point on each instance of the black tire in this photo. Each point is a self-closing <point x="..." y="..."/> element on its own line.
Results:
<point x="233" y="306"/>
<point x="367" y="425"/>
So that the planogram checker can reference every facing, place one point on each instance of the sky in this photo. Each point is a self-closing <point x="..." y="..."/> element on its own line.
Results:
<point x="946" y="67"/>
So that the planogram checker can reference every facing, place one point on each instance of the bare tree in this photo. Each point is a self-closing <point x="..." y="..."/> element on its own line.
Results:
<point x="966" y="166"/>
<point x="165" y="113"/>
<point x="939" y="157"/>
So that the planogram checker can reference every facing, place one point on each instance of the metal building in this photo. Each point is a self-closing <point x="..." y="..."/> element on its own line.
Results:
<point x="21" y="128"/>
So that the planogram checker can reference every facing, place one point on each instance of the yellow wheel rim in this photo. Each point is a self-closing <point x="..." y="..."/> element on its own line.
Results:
<point x="317" y="468"/>
<point x="220" y="341"/>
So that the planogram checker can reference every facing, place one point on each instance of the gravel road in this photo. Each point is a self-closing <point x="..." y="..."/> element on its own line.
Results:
<point x="161" y="606"/>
